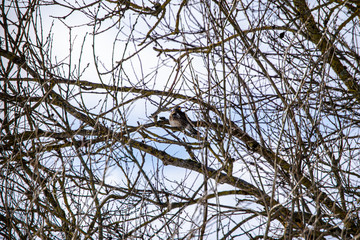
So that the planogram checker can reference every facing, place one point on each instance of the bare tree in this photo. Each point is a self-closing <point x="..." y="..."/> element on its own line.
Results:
<point x="87" y="151"/>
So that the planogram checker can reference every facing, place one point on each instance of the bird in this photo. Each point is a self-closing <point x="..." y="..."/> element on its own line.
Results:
<point x="179" y="119"/>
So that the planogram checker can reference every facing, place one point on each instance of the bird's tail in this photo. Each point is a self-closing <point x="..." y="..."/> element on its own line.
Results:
<point x="192" y="130"/>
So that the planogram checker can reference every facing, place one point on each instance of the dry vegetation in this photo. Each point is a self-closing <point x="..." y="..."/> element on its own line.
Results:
<point x="87" y="151"/>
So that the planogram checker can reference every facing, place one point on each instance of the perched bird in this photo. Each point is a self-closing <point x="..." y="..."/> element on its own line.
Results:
<point x="179" y="119"/>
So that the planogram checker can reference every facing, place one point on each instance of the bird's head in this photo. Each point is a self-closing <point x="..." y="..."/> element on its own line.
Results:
<point x="177" y="108"/>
